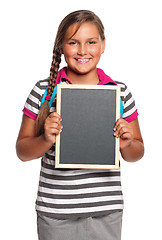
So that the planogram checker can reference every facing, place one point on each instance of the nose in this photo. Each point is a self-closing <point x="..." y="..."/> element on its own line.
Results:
<point x="82" y="50"/>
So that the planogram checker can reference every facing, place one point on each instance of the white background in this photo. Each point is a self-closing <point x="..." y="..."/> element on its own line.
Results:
<point x="133" y="55"/>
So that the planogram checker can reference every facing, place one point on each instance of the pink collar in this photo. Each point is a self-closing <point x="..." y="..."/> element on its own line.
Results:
<point x="104" y="79"/>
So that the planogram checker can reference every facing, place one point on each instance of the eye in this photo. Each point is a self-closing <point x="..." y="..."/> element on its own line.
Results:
<point x="91" y="42"/>
<point x="72" y="43"/>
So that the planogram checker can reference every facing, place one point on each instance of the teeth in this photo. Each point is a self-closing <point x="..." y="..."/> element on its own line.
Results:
<point x="82" y="60"/>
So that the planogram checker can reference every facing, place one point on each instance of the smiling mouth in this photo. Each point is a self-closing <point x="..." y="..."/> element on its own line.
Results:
<point x="82" y="60"/>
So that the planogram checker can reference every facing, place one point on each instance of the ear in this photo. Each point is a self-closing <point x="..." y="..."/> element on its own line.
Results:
<point x="103" y="45"/>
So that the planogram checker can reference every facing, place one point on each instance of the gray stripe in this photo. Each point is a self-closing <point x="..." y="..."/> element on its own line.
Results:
<point x="35" y="94"/>
<point x="48" y="166"/>
<point x="80" y="186"/>
<point x="122" y="98"/>
<point x="129" y="107"/>
<point x="33" y="104"/>
<point x="82" y="215"/>
<point x="53" y="147"/>
<point x="82" y="176"/>
<point x="123" y="86"/>
<point x="79" y="205"/>
<point x="50" y="157"/>
<point x="79" y="196"/>
<point x="51" y="166"/>
<point x="129" y="96"/>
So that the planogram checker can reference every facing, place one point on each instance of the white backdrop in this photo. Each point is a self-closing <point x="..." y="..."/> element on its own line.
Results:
<point x="133" y="55"/>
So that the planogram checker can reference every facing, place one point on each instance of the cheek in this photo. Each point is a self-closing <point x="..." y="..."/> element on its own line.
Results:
<point x="69" y="52"/>
<point x="96" y="51"/>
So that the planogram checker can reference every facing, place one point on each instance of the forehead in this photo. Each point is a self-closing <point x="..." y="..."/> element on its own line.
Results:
<point x="88" y="30"/>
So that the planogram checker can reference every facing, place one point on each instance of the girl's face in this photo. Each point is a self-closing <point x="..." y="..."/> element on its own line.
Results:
<point x="82" y="50"/>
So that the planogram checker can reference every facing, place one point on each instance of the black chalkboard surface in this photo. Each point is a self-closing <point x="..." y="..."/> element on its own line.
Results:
<point x="89" y="113"/>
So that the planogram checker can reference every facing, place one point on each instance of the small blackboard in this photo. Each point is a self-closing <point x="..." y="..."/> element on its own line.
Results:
<point x="88" y="113"/>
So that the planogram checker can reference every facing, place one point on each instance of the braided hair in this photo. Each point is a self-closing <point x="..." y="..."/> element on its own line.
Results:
<point x="78" y="17"/>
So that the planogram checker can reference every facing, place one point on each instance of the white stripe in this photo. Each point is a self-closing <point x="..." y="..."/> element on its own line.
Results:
<point x="49" y="161"/>
<point x="79" y="181"/>
<point x="65" y="82"/>
<point x="80" y="210"/>
<point x="79" y="172"/>
<point x="33" y="99"/>
<point x="126" y="92"/>
<point x="122" y="94"/>
<point x="80" y="201"/>
<point x="122" y="85"/>
<point x="129" y="102"/>
<point x="44" y="83"/>
<point x="130" y="112"/>
<point x="38" y="90"/>
<point x="79" y="191"/>
<point x="31" y="108"/>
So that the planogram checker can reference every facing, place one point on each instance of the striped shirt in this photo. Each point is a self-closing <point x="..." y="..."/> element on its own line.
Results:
<point x="73" y="193"/>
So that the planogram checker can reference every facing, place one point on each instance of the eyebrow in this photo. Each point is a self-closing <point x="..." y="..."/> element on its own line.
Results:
<point x="92" y="38"/>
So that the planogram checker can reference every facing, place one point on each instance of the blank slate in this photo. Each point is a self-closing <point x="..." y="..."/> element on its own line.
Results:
<point x="89" y="113"/>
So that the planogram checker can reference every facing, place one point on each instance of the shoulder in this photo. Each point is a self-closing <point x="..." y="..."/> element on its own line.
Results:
<point x="125" y="92"/>
<point x="42" y="84"/>
<point x="123" y="86"/>
<point x="39" y="88"/>
<point x="130" y="110"/>
<point x="33" y="101"/>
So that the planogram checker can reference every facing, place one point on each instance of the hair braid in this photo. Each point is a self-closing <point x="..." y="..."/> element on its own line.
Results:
<point x="44" y="110"/>
<point x="54" y="70"/>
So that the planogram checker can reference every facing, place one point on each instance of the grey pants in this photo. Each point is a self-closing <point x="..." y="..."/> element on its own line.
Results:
<point x="93" y="228"/>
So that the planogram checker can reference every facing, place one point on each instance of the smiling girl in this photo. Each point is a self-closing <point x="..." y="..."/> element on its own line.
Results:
<point x="76" y="204"/>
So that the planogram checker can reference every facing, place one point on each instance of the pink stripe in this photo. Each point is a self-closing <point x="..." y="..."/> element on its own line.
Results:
<point x="132" y="117"/>
<point x="29" y="113"/>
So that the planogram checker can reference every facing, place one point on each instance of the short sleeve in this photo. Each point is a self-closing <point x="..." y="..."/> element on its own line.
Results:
<point x="129" y="108"/>
<point x="32" y="104"/>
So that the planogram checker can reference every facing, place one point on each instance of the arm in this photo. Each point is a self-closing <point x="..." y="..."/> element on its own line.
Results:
<point x="28" y="145"/>
<point x="131" y="143"/>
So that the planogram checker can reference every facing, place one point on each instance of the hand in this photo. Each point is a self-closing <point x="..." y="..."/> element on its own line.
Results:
<point x="52" y="127"/>
<point x="124" y="131"/>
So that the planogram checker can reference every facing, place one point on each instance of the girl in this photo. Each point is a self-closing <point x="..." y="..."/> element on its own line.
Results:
<point x="76" y="204"/>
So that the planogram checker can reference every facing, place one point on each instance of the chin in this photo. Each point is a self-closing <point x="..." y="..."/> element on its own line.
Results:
<point x="81" y="71"/>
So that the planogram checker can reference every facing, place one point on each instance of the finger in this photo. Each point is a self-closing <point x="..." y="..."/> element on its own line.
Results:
<point x="52" y="120"/>
<point x="118" y="126"/>
<point x="55" y="115"/>
<point x="52" y="125"/>
<point x="126" y="136"/>
<point x="122" y="131"/>
<point x="53" y="131"/>
<point x="118" y="122"/>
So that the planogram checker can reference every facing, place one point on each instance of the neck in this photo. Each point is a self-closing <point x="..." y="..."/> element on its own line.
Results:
<point x="90" y="78"/>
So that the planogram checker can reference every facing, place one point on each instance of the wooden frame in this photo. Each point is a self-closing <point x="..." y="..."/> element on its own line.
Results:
<point x="61" y="90"/>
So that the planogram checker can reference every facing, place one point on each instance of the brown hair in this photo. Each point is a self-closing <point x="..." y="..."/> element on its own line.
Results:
<point x="78" y="17"/>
